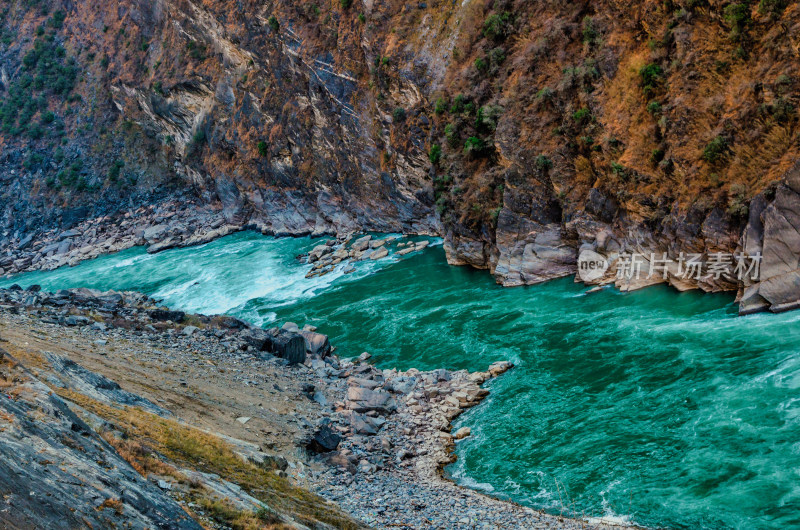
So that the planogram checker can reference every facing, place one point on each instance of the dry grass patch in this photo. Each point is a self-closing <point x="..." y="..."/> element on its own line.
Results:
<point x="146" y="434"/>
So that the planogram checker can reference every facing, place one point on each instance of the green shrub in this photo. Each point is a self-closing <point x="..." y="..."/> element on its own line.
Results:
<point x="441" y="106"/>
<point x="738" y="17"/>
<point x="497" y="56"/>
<point x="545" y="94"/>
<point x="497" y="27"/>
<point x="199" y="137"/>
<point x="487" y="117"/>
<point x="262" y="148"/>
<point x="715" y="150"/>
<point x="197" y="51"/>
<point x="362" y="18"/>
<point x="543" y="163"/>
<point x="273" y="23"/>
<point x="345" y="3"/>
<point x="435" y="153"/>
<point x="399" y="115"/>
<point x="582" y="115"/>
<point x="452" y="135"/>
<point x="650" y="76"/>
<point x="474" y="146"/>
<point x="656" y="155"/>
<point x="654" y="107"/>
<point x="590" y="33"/>
<point x="481" y="65"/>
<point x="57" y="20"/>
<point x="114" y="170"/>
<point x="458" y="104"/>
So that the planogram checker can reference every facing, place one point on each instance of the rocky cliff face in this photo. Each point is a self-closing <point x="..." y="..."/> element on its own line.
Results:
<point x="522" y="132"/>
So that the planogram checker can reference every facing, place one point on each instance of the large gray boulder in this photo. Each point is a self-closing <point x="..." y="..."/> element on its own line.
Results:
<point x="316" y="343"/>
<point x="361" y="243"/>
<point x="364" y="400"/>
<point x="279" y="342"/>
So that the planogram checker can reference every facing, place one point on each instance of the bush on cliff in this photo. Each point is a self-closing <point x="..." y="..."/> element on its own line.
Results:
<point x="715" y="150"/>
<point x="497" y="27"/>
<point x="474" y="146"/>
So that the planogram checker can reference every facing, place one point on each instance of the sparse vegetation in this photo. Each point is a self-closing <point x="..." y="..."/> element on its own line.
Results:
<point x="737" y="201"/>
<point x="435" y="153"/>
<point x="590" y="32"/>
<point x="497" y="27"/>
<point x="715" y="150"/>
<point x="543" y="163"/>
<point x="146" y="433"/>
<point x="474" y="146"/>
<point x="650" y="77"/>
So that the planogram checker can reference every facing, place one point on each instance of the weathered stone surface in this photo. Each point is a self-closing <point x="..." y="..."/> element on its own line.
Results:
<point x="774" y="230"/>
<point x="364" y="400"/>
<point x="286" y="344"/>
<point x="324" y="440"/>
<point x="57" y="473"/>
<point x="316" y="343"/>
<point x="361" y="244"/>
<point x="164" y="314"/>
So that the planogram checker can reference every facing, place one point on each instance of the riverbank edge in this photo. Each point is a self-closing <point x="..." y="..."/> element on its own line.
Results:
<point x="168" y="226"/>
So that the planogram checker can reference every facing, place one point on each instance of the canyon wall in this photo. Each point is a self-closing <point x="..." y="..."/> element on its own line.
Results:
<point x="522" y="132"/>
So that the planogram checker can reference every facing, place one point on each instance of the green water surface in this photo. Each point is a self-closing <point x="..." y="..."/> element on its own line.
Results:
<point x="662" y="408"/>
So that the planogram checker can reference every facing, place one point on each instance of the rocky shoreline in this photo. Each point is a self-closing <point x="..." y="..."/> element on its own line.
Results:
<point x="373" y="442"/>
<point x="173" y="224"/>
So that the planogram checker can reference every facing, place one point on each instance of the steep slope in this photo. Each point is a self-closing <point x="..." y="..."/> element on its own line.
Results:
<point x="520" y="131"/>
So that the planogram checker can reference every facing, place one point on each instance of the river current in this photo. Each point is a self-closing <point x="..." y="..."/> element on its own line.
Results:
<point x="661" y="408"/>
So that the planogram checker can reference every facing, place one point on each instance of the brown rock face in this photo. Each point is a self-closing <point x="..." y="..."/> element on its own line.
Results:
<point x="521" y="132"/>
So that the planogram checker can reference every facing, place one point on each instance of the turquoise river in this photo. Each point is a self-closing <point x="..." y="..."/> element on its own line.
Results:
<point x="661" y="408"/>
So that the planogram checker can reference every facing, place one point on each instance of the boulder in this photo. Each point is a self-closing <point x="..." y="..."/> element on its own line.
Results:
<point x="361" y="244"/>
<point x="363" y="424"/>
<point x="323" y="441"/>
<point x="380" y="253"/>
<point x="462" y="433"/>
<point x="286" y="345"/>
<point x="162" y="315"/>
<point x="155" y="232"/>
<point x="316" y="343"/>
<point x="375" y="243"/>
<point x="364" y="400"/>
